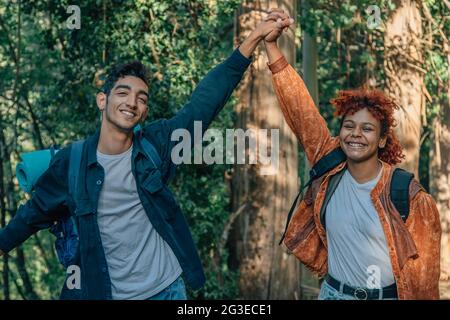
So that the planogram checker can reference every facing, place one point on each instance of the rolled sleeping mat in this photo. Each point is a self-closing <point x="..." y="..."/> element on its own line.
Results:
<point x="33" y="165"/>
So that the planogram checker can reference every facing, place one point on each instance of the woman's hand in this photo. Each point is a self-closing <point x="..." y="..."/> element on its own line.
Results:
<point x="266" y="30"/>
<point x="282" y="20"/>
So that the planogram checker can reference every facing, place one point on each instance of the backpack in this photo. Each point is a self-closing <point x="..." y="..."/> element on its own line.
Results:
<point x="65" y="229"/>
<point x="399" y="192"/>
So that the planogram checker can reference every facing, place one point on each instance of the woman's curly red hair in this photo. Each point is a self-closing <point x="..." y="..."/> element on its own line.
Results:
<point x="382" y="108"/>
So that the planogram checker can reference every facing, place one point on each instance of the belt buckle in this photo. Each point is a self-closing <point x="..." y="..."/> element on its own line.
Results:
<point x="360" y="294"/>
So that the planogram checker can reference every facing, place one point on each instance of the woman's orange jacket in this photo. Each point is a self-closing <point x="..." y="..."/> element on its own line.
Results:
<point x="414" y="246"/>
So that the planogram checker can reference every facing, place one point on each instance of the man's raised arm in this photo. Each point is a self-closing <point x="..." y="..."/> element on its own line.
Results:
<point x="214" y="89"/>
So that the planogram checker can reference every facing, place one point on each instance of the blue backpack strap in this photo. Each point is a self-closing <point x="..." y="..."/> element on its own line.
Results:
<point x="74" y="168"/>
<point x="74" y="165"/>
<point x="65" y="229"/>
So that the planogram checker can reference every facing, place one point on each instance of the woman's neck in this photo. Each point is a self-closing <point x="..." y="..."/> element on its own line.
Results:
<point x="364" y="171"/>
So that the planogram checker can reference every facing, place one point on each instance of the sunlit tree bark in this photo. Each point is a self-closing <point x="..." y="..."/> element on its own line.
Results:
<point x="440" y="177"/>
<point x="405" y="77"/>
<point x="266" y="270"/>
<point x="309" y="283"/>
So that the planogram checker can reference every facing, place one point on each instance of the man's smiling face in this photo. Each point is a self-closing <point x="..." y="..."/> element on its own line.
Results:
<point x="126" y="104"/>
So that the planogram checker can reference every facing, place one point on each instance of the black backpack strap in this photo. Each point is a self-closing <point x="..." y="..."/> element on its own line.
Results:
<point x="332" y="186"/>
<point x="400" y="182"/>
<point x="325" y="164"/>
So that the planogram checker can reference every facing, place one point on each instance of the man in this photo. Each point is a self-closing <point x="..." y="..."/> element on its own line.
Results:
<point x="134" y="242"/>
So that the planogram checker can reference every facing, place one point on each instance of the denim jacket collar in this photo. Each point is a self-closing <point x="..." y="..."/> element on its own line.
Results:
<point x="92" y="143"/>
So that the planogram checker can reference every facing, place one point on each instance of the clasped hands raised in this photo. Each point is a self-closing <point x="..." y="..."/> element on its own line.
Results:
<point x="274" y="24"/>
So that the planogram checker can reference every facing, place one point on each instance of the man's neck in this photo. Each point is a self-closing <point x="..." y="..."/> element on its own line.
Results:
<point x="364" y="171"/>
<point x="112" y="140"/>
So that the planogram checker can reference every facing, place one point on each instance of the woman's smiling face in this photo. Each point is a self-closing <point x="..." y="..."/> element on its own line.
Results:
<point x="360" y="136"/>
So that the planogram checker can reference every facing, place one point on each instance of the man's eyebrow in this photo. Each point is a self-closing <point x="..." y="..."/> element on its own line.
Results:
<point x="124" y="86"/>
<point x="143" y="92"/>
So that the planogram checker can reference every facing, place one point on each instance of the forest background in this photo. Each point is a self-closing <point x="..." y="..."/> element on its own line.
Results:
<point x="51" y="67"/>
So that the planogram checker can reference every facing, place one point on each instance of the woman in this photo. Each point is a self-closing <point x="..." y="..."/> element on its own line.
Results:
<point x="366" y="250"/>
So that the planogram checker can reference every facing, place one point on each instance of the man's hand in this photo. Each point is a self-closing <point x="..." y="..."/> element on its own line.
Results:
<point x="280" y="17"/>
<point x="272" y="28"/>
<point x="269" y="30"/>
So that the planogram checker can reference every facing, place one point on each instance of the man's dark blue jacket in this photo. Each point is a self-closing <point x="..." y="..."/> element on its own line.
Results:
<point x="51" y="200"/>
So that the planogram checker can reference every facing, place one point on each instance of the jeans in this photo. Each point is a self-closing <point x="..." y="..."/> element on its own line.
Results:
<point x="327" y="292"/>
<point x="175" y="291"/>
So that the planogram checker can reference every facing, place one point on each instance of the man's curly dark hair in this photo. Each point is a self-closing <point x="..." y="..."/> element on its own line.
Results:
<point x="133" y="68"/>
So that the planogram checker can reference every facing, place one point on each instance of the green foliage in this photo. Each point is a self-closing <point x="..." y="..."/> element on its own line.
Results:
<point x="48" y="85"/>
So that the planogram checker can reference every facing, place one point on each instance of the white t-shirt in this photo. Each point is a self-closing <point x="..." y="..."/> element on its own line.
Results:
<point x="357" y="249"/>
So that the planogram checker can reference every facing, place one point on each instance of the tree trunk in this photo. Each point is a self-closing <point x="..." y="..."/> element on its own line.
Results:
<point x="309" y="65"/>
<point x="440" y="178"/>
<point x="405" y="77"/>
<point x="309" y="283"/>
<point x="267" y="271"/>
<point x="440" y="182"/>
